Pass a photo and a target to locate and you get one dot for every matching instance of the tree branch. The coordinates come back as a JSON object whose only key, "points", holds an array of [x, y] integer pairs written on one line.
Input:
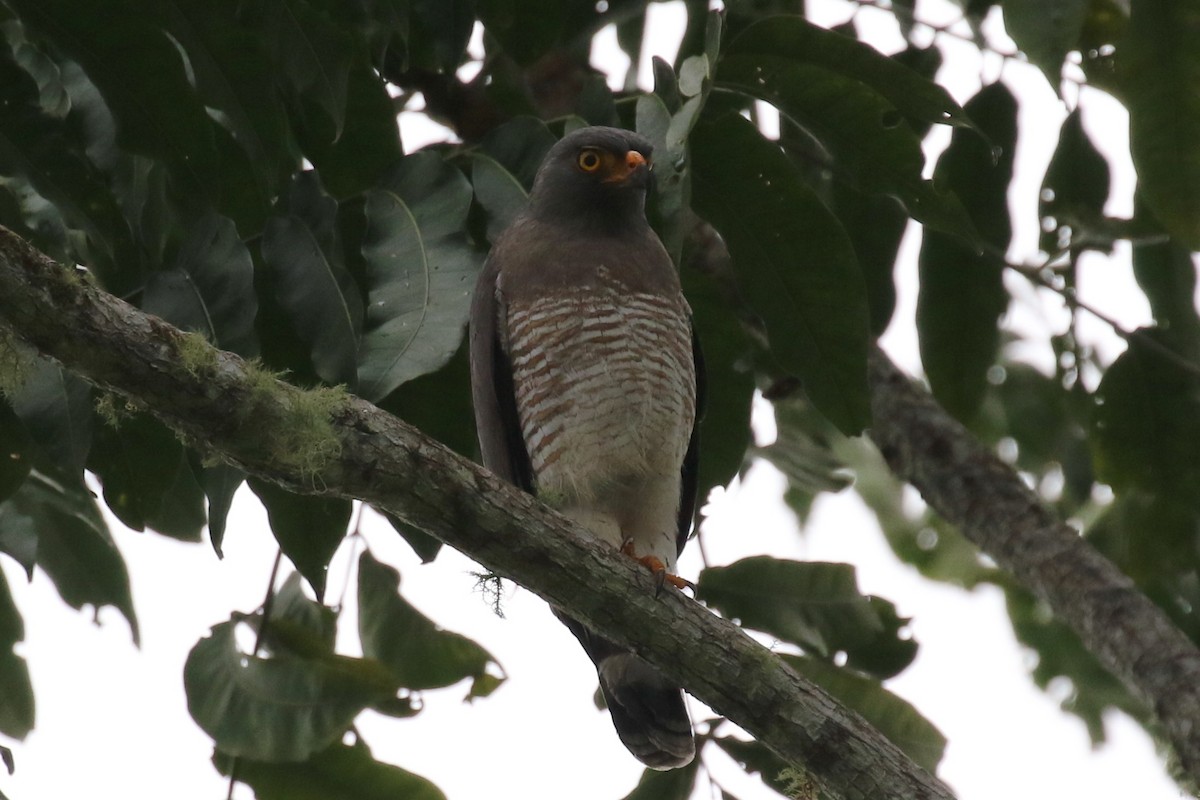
{"points": [[228, 407], [985, 499]]}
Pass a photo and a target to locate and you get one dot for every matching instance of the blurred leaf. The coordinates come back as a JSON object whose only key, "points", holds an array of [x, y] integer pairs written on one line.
{"points": [[525, 28], [439, 404], [1045, 31], [18, 536], [220, 483], [15, 447], [425, 546], [1166, 273], [793, 263], [1148, 536], [147, 477], [962, 295], [209, 288], [892, 716], [1146, 423], [801, 451], [74, 547], [755, 758], [292, 612], [276, 709], [308, 528], [814, 605], [440, 31], [16, 700], [44, 151], [303, 250], [519, 145], [1075, 188], [675, 784], [498, 191], [1160, 78], [55, 407], [339, 772], [421, 271], [419, 653]]}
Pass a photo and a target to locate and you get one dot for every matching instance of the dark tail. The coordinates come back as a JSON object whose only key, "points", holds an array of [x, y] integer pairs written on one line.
{"points": [[647, 710]]}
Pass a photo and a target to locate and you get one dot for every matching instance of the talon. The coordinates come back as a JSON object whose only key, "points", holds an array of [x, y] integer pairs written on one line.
{"points": [[652, 563]]}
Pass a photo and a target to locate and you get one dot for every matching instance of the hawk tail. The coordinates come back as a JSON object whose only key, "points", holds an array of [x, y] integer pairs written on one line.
{"points": [[647, 709]]}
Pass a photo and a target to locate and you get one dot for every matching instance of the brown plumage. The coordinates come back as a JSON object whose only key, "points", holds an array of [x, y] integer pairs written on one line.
{"points": [[585, 382]]}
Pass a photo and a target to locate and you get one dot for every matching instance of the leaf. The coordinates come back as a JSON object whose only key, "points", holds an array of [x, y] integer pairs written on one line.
{"points": [[892, 716], [1160, 78], [503, 169], [55, 407], [16, 701], [440, 32], [147, 478], [792, 261], [420, 273], [526, 29], [276, 709], [209, 287], [308, 528], [1046, 31], [1165, 272], [801, 451], [675, 784], [1146, 422], [419, 653], [220, 483], [962, 294], [498, 191], [302, 249], [74, 547], [18, 536], [339, 772], [1075, 188], [754, 757], [293, 613], [15, 451], [439, 404], [814, 605]]}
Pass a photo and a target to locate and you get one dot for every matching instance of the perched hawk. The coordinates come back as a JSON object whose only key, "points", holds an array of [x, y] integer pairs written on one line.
{"points": [[585, 379]]}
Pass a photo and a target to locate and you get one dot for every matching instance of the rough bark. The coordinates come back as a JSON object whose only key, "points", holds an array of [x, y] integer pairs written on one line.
{"points": [[984, 498], [224, 406]]}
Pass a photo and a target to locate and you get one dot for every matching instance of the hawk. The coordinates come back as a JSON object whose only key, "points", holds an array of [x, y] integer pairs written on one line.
{"points": [[586, 381]]}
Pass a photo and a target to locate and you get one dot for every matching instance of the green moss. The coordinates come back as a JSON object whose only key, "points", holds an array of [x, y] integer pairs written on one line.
{"points": [[16, 362], [196, 355], [798, 785]]}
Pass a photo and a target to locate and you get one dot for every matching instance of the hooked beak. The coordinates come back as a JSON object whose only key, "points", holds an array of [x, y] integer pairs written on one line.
{"points": [[634, 161]]}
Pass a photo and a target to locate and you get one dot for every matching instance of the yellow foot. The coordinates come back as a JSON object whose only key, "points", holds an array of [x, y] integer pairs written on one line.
{"points": [[656, 566]]}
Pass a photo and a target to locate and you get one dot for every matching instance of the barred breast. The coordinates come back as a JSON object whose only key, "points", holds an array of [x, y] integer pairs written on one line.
{"points": [[606, 393]]}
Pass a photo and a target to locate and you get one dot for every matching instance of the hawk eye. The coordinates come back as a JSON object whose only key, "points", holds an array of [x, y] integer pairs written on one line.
{"points": [[589, 160]]}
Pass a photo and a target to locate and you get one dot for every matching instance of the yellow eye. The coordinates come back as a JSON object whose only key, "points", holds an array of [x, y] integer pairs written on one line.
{"points": [[589, 160]]}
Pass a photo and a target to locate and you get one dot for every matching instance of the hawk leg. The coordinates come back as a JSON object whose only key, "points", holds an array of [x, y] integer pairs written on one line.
{"points": [[656, 566]]}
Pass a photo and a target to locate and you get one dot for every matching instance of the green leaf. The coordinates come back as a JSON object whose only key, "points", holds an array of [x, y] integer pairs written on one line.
{"points": [[526, 29], [147, 478], [276, 709], [15, 448], [792, 261], [1160, 79], [308, 528], [1149, 536], [55, 407], [675, 784], [1045, 31], [503, 169], [440, 31], [209, 288], [419, 653], [18, 536], [498, 191], [1166, 273], [74, 547], [439, 404], [814, 605], [892, 716], [756, 758], [801, 451], [962, 294], [421, 272], [302, 248], [339, 772], [1146, 423], [220, 482], [16, 701], [1075, 188], [294, 616]]}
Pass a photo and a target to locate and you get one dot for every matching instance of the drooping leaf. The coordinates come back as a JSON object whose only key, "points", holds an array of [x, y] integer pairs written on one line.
{"points": [[801, 451], [439, 404], [302, 247], [1045, 31], [301, 625], [755, 758], [1166, 273], [18, 536], [339, 772], [15, 451], [524, 28], [1075, 188], [74, 547], [421, 272], [1149, 536], [498, 191], [439, 33], [419, 653], [675, 784], [209, 288], [792, 261], [519, 146], [16, 700], [55, 407], [147, 477], [814, 605], [962, 295], [276, 709], [220, 482], [892, 716], [308, 528], [1159, 75]]}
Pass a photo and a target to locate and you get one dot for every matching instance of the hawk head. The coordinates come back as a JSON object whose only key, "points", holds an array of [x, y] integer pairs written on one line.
{"points": [[594, 175]]}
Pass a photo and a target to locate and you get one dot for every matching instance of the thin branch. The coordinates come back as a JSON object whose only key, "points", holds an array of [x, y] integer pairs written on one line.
{"points": [[221, 404]]}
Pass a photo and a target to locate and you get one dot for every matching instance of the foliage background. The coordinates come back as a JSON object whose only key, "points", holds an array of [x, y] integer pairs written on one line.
{"points": [[346, 171]]}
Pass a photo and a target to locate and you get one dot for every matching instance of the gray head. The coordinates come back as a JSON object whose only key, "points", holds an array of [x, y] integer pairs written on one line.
{"points": [[594, 177]]}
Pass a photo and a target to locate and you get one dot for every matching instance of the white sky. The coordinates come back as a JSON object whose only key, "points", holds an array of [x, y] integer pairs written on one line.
{"points": [[112, 720]]}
